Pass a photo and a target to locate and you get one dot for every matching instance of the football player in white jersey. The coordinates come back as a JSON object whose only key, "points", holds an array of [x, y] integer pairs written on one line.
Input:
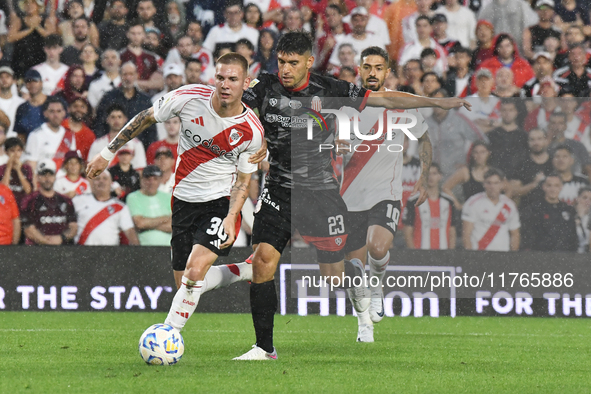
{"points": [[372, 185], [221, 141]]}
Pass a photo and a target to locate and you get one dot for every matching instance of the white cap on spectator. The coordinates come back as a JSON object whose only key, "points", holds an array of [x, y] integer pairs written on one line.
{"points": [[484, 72], [543, 54], [359, 11], [173, 69], [549, 3], [46, 165]]}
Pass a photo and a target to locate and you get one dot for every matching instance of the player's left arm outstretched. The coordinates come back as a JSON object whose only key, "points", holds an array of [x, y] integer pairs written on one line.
{"points": [[403, 100], [426, 156], [132, 129], [238, 197]]}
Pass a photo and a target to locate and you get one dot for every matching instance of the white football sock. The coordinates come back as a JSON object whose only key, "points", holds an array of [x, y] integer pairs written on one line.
{"points": [[377, 268], [364, 318], [224, 275], [184, 303]]}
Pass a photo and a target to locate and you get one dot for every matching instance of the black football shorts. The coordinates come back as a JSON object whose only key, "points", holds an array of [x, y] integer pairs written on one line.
{"points": [[384, 214]]}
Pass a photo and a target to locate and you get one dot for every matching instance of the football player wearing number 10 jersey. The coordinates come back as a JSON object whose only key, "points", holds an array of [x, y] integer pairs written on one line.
{"points": [[221, 143]]}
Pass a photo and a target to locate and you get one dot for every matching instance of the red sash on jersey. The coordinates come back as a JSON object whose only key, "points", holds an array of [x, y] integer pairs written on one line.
{"points": [[494, 228], [65, 147], [97, 219], [580, 131]]}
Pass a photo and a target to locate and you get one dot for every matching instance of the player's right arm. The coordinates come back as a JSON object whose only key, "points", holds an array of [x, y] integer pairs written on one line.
{"points": [[132, 129], [403, 100]]}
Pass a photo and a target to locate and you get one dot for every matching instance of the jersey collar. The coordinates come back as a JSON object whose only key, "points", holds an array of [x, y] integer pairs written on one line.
{"points": [[304, 86]]}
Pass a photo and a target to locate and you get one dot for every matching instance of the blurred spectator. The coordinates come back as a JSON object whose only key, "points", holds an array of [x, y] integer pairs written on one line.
{"points": [[10, 224], [439, 23], [271, 11], [153, 42], [470, 177], [79, 110], [29, 115], [490, 220], [571, 12], [556, 129], [101, 217], [3, 155], [508, 142], [333, 30], [577, 121], [411, 172], [72, 184], [16, 175], [409, 30], [115, 120], [183, 51], [293, 20], [360, 36], [431, 83], [74, 11], [485, 106], [534, 36], [392, 80], [9, 102], [511, 17], [232, 30], [572, 36], [563, 164], [536, 166], [504, 84], [113, 32], [375, 23], [149, 76], [48, 218], [539, 116], [246, 49], [462, 22], [173, 79], [543, 68], [71, 54], [208, 13], [432, 225], [132, 100], [550, 224], [413, 50], [485, 33], [266, 55], [552, 46], [450, 132], [507, 55], [204, 55], [346, 58], [165, 161], [583, 209], [393, 16], [150, 210], [458, 78], [51, 70], [109, 79], [125, 178], [148, 17], [88, 60], [253, 17], [51, 140], [429, 62], [27, 34], [177, 20], [576, 75], [74, 85], [193, 72]]}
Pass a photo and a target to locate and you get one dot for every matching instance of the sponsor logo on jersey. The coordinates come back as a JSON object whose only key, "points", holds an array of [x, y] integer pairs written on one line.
{"points": [[273, 102], [43, 208], [295, 104], [198, 121], [52, 219], [235, 136], [253, 83]]}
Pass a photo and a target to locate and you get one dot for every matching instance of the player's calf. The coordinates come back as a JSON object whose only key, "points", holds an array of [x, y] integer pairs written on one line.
{"points": [[220, 276]]}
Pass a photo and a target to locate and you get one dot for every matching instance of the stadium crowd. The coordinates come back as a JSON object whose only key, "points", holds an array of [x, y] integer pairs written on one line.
{"points": [[73, 72]]}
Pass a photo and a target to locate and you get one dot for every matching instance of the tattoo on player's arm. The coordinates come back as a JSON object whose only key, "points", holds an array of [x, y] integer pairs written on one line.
{"points": [[239, 194], [425, 155], [133, 128]]}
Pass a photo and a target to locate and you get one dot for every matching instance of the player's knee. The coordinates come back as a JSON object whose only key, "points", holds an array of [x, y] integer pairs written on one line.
{"points": [[379, 250]]}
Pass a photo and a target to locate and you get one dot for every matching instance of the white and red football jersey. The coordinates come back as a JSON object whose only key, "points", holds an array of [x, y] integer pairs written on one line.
{"points": [[44, 143], [99, 222], [373, 169], [139, 153], [211, 147], [51, 76], [492, 223], [64, 185], [431, 221]]}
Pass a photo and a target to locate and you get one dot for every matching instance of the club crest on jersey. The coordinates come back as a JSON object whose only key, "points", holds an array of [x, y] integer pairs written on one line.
{"points": [[235, 136], [2, 201], [565, 215], [111, 209], [316, 104], [273, 102], [295, 104], [338, 241], [63, 207]]}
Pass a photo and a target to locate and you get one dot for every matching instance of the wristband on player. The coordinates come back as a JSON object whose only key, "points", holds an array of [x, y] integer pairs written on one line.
{"points": [[107, 154]]}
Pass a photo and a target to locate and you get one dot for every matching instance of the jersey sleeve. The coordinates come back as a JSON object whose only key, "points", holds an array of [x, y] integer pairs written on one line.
{"points": [[348, 94], [71, 212], [257, 140], [32, 148], [420, 127], [171, 104], [513, 222], [11, 202], [125, 220], [254, 95], [468, 212], [26, 212]]}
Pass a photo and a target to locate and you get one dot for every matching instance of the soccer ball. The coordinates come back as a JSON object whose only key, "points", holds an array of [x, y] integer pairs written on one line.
{"points": [[161, 344]]}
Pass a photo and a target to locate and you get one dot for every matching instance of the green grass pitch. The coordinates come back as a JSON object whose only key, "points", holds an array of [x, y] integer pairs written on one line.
{"points": [[78, 352]]}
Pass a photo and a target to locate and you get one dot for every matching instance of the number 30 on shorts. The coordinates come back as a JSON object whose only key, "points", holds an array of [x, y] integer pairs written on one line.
{"points": [[217, 228], [336, 225]]}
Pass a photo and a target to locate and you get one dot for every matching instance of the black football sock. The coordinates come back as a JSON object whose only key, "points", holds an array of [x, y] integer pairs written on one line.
{"points": [[263, 304]]}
